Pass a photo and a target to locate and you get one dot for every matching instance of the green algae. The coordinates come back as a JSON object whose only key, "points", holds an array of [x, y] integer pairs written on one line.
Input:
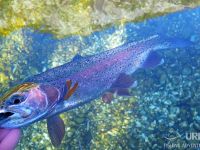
{"points": [[69, 17], [16, 60], [8, 57], [112, 122]]}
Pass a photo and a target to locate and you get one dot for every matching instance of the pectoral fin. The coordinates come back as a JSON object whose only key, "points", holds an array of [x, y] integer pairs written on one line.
{"points": [[56, 130], [70, 90], [68, 83]]}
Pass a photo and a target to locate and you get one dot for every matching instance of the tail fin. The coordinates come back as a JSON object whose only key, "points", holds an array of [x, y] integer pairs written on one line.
{"points": [[145, 49], [162, 42]]}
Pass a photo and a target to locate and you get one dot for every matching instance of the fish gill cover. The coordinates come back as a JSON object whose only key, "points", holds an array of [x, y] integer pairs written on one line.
{"points": [[166, 99]]}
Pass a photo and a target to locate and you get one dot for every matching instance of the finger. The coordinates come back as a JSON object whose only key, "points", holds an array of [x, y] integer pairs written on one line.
{"points": [[10, 141]]}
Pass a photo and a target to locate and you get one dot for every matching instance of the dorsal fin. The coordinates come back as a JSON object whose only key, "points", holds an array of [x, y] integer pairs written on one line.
{"points": [[77, 57], [56, 130]]}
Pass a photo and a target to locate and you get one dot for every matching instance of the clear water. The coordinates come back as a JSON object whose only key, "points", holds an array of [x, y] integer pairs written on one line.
{"points": [[164, 108]]}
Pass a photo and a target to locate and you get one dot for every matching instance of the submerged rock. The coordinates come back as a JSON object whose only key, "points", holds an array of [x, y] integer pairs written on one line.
{"points": [[187, 71], [62, 17]]}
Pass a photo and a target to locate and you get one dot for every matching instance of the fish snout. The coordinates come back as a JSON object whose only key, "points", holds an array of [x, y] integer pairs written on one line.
{"points": [[14, 111], [4, 114]]}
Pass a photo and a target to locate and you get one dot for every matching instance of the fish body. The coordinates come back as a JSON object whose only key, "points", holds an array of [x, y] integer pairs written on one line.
{"points": [[80, 81], [96, 74]]}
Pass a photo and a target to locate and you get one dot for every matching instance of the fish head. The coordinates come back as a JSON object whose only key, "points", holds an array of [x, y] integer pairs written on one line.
{"points": [[26, 103]]}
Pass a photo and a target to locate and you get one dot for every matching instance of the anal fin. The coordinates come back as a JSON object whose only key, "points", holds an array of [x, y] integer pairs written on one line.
{"points": [[153, 60], [56, 130]]}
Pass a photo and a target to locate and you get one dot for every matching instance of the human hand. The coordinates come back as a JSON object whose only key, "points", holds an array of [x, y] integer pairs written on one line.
{"points": [[9, 138]]}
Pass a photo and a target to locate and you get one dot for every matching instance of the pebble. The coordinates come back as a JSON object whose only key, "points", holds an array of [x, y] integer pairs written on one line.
{"points": [[187, 71], [152, 107]]}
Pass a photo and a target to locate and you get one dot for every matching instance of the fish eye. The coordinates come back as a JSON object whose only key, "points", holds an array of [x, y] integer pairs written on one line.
{"points": [[15, 99]]}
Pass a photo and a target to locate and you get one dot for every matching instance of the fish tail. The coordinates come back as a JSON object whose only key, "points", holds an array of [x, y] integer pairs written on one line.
{"points": [[148, 57], [163, 42]]}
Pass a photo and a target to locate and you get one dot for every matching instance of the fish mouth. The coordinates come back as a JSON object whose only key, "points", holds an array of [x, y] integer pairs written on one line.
{"points": [[5, 115]]}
